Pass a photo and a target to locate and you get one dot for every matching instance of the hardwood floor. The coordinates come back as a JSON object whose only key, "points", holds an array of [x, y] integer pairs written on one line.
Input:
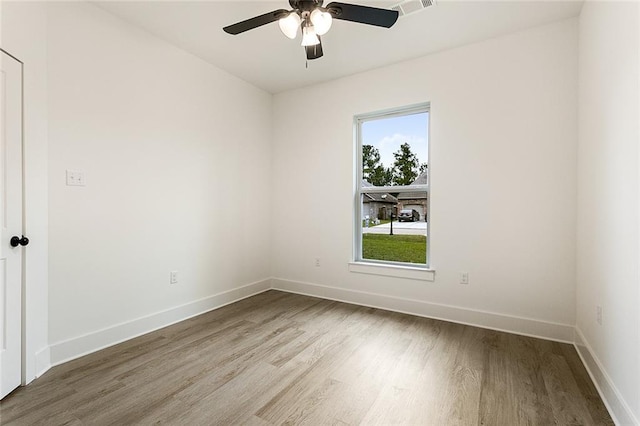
{"points": [[279, 358]]}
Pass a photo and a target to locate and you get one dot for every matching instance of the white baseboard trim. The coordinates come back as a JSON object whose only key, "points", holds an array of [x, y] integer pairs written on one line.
{"points": [[76, 347], [43, 361], [615, 403], [491, 320]]}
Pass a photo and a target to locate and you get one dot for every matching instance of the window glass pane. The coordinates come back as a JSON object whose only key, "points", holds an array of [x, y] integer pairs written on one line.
{"points": [[394, 150], [394, 226]]}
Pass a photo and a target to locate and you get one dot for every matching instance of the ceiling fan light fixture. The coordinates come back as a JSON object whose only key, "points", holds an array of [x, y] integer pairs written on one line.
{"points": [[321, 21], [289, 25], [309, 36], [315, 20]]}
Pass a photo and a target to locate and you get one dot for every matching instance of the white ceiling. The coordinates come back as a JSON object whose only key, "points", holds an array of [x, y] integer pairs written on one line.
{"points": [[267, 59]]}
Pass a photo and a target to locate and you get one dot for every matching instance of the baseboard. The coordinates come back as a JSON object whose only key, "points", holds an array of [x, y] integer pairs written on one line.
{"points": [[615, 403], [76, 347], [43, 361], [491, 320]]}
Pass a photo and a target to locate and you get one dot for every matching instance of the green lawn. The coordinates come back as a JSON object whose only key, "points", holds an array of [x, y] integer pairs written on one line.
{"points": [[397, 248]]}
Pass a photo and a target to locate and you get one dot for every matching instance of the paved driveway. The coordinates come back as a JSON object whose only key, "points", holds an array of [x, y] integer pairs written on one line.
{"points": [[400, 228]]}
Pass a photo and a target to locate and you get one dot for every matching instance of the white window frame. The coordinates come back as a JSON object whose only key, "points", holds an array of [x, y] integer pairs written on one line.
{"points": [[384, 267]]}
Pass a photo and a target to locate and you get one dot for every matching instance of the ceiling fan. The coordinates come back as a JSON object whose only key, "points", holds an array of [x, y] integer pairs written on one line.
{"points": [[315, 20]]}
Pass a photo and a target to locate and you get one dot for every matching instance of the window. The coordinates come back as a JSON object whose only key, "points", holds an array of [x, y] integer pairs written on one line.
{"points": [[392, 187]]}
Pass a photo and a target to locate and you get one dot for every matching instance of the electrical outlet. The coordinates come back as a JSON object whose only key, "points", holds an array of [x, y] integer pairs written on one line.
{"points": [[464, 278], [173, 277], [599, 315], [317, 262]]}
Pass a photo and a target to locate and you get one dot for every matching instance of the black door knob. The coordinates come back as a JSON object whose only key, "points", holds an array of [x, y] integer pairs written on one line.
{"points": [[15, 241]]}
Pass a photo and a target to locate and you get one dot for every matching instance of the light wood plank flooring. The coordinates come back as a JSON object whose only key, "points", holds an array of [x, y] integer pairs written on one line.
{"points": [[279, 358]]}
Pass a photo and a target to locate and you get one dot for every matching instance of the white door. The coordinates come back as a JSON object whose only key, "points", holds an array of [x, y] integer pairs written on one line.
{"points": [[10, 223]]}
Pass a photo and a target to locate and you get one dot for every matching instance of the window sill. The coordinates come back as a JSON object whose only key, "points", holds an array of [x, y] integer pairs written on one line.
{"points": [[397, 271]]}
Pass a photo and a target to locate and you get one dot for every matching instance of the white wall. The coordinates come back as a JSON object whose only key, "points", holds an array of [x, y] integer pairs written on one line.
{"points": [[608, 214], [503, 167], [177, 160], [23, 34]]}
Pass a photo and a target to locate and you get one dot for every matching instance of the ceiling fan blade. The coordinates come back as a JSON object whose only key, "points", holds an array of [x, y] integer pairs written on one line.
{"points": [[314, 52], [363, 14], [255, 22]]}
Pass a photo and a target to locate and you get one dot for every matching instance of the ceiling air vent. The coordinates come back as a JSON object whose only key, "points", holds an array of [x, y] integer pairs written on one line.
{"points": [[412, 6]]}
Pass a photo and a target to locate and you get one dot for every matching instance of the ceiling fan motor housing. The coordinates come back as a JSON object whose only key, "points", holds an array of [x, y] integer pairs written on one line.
{"points": [[305, 5]]}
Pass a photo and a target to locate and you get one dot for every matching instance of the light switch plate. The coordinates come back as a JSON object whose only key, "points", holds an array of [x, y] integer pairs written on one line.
{"points": [[75, 178]]}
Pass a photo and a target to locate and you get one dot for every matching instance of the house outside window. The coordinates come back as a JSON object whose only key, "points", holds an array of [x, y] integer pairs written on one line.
{"points": [[392, 191]]}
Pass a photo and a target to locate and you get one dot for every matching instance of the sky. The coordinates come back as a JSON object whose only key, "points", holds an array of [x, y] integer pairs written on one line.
{"points": [[388, 134]]}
